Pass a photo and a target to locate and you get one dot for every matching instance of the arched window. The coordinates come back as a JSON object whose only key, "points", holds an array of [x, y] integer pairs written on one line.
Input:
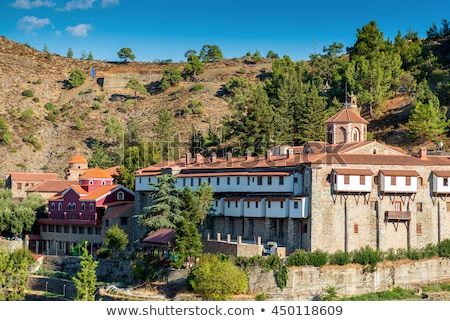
{"points": [[91, 182], [91, 206], [355, 135], [120, 196], [53, 206], [59, 206], [83, 207], [374, 151], [103, 183]]}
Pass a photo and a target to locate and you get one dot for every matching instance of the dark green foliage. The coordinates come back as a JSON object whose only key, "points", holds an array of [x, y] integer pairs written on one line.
{"points": [[126, 54], [103, 253], [165, 210], [340, 258], [196, 87], [317, 258], [298, 258], [170, 78], [210, 53], [76, 79], [28, 93], [443, 248], [193, 68], [367, 257], [217, 279], [116, 239], [330, 294], [13, 274]]}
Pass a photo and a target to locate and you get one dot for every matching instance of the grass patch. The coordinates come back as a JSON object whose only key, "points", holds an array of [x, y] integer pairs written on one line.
{"points": [[395, 294]]}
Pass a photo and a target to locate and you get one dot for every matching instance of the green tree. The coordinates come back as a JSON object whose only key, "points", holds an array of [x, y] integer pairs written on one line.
{"points": [[217, 279], [210, 53], [18, 216], [427, 120], [311, 126], [136, 85], [90, 56], [86, 279], [13, 274], [193, 67], [190, 52], [69, 53], [272, 55], [76, 78], [114, 129], [125, 54], [164, 131], [116, 239], [171, 76], [195, 207], [165, 209], [99, 156]]}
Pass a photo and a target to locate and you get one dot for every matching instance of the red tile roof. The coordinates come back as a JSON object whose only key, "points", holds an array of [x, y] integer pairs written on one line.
{"points": [[95, 173], [161, 236], [119, 210], [78, 159], [346, 115], [353, 171], [51, 186], [32, 176], [399, 172]]}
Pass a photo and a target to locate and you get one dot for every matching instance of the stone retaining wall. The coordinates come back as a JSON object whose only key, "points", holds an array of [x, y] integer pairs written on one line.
{"points": [[308, 282]]}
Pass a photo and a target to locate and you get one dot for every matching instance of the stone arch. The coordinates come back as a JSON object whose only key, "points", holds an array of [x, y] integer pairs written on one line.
{"points": [[341, 135]]}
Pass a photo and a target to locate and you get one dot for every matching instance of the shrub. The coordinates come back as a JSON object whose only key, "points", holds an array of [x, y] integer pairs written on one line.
{"points": [[27, 114], [33, 141], [76, 79], [49, 106], [216, 279], [28, 93], [443, 248], [103, 253], [367, 257], [430, 251], [96, 105], [317, 258], [340, 258], [197, 87], [298, 258]]}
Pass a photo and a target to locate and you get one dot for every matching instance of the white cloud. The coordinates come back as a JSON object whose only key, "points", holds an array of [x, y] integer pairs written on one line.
{"points": [[78, 4], [80, 30], [30, 23], [109, 3], [29, 4]]}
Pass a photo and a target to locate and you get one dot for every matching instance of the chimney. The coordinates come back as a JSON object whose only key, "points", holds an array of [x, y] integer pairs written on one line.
{"points": [[188, 158], [228, 156], [423, 153], [248, 155], [290, 153], [213, 157], [268, 154]]}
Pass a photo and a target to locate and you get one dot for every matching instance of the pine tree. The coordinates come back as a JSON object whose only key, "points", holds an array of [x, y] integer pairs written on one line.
{"points": [[86, 279], [165, 209]]}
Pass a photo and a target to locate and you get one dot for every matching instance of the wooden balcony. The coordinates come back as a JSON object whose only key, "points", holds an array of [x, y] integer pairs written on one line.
{"points": [[398, 216]]}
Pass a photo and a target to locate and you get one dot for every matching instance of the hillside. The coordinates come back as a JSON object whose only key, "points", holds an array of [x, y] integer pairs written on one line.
{"points": [[23, 68]]}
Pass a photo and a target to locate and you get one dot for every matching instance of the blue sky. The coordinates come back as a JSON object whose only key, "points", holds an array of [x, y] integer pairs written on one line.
{"points": [[159, 30]]}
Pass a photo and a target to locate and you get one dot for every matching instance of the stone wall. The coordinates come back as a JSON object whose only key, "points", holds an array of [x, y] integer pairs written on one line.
{"points": [[308, 282], [107, 270]]}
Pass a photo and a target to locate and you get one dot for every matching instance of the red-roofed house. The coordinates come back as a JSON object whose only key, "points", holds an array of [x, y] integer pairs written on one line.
{"points": [[20, 183], [84, 212], [342, 193]]}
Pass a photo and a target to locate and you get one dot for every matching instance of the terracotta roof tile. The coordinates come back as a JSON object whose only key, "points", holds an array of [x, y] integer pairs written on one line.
{"points": [[95, 173], [78, 159], [442, 173], [161, 236], [32, 176], [399, 172], [119, 210], [51, 186], [346, 115]]}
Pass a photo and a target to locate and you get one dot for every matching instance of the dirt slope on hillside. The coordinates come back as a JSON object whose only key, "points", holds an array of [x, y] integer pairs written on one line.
{"points": [[57, 139]]}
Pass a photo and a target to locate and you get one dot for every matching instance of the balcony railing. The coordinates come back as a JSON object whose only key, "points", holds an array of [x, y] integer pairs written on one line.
{"points": [[73, 216], [398, 215]]}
